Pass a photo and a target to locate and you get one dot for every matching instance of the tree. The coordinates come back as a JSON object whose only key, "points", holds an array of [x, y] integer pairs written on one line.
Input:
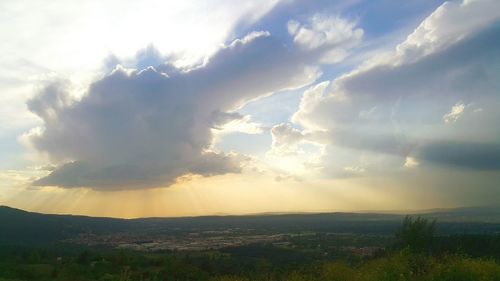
{"points": [[416, 234]]}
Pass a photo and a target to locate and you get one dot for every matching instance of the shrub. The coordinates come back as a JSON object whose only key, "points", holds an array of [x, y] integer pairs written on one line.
{"points": [[415, 234]]}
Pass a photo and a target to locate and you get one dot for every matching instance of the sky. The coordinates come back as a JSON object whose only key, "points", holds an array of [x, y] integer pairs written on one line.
{"points": [[186, 108]]}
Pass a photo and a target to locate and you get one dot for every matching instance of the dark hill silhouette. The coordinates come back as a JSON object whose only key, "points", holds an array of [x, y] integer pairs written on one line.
{"points": [[20, 226]]}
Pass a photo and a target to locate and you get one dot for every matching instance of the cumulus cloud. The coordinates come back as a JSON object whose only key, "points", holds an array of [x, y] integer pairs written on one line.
{"points": [[446, 26], [146, 128], [390, 110], [331, 36], [456, 111], [286, 139]]}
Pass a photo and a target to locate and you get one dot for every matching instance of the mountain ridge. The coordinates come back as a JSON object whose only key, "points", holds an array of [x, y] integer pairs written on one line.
{"points": [[423, 212], [20, 226]]}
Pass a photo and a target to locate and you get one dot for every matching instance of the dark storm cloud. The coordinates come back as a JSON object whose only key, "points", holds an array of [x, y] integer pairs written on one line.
{"points": [[146, 128], [474, 156], [462, 154]]}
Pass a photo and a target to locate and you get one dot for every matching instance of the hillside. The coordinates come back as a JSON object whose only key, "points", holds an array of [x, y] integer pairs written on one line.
{"points": [[27, 227]]}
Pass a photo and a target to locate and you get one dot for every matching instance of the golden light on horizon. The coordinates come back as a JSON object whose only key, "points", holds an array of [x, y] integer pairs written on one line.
{"points": [[221, 195]]}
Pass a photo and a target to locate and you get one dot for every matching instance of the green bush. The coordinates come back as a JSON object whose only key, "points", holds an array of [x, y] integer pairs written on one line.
{"points": [[416, 234]]}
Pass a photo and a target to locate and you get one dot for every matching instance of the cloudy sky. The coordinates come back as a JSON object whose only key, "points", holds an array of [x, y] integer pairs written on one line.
{"points": [[174, 108]]}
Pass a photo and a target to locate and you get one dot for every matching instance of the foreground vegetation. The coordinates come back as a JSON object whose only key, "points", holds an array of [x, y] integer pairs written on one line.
{"points": [[398, 266], [413, 254], [401, 265]]}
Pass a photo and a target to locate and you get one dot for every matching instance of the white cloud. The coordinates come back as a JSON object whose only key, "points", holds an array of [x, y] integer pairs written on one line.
{"points": [[456, 111], [286, 140], [238, 123], [308, 105], [410, 162], [392, 107], [332, 36], [447, 25]]}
